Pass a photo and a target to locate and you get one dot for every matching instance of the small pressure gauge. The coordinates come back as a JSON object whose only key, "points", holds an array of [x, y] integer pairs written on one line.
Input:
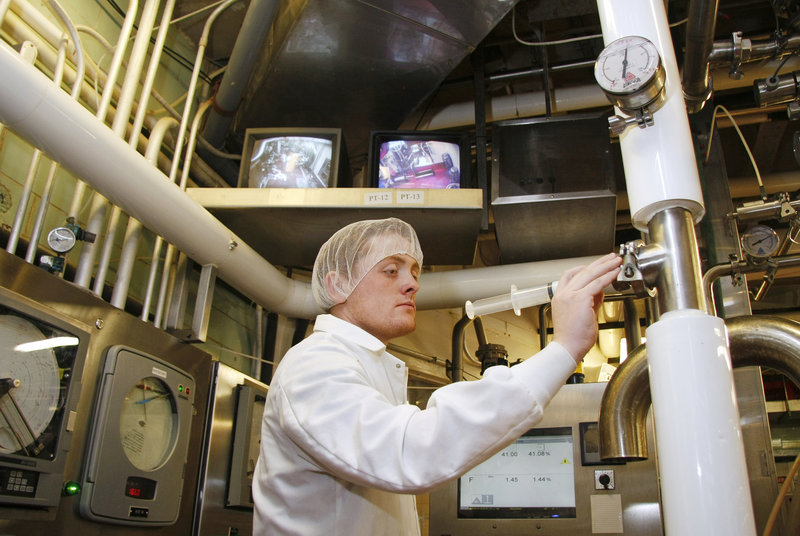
{"points": [[630, 72], [61, 239], [760, 241]]}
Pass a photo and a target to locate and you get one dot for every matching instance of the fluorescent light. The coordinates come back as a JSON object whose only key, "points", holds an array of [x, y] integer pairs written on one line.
{"points": [[55, 342]]}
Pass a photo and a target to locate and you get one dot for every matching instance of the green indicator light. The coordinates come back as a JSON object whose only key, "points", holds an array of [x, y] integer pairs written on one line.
{"points": [[71, 488], [180, 388]]}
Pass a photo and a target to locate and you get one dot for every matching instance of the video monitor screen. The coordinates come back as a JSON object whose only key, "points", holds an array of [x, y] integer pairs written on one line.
{"points": [[290, 162], [419, 164], [534, 477]]}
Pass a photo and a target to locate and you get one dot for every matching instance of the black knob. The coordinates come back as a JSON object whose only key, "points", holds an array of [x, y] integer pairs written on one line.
{"points": [[604, 480]]}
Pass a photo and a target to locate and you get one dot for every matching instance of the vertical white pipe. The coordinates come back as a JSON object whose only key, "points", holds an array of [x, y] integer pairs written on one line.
{"points": [[24, 202], [3, 8], [659, 161], [97, 212], [24, 199], [703, 476], [130, 85], [130, 244], [704, 484]]}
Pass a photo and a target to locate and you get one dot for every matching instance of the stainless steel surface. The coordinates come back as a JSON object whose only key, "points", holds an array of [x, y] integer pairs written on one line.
{"points": [[287, 226], [721, 237], [212, 516], [636, 483], [633, 329], [700, 25], [766, 341], [757, 443], [776, 90], [109, 326], [678, 283], [624, 408], [547, 203], [328, 56], [735, 268]]}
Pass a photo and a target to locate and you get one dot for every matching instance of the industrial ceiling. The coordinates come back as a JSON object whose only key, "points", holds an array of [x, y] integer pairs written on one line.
{"points": [[364, 65]]}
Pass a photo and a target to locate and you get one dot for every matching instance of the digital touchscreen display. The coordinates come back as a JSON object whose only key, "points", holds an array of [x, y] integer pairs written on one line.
{"points": [[534, 477]]}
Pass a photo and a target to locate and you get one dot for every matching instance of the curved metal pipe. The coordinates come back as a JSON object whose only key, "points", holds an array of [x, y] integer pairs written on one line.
{"points": [[754, 341], [457, 341]]}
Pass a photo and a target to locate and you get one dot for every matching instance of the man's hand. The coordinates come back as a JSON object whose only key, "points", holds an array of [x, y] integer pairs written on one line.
{"points": [[578, 296]]}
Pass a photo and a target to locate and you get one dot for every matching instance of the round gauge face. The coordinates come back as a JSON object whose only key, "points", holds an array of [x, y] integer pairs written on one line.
{"points": [[61, 239], [148, 424], [28, 406], [760, 241], [627, 65]]}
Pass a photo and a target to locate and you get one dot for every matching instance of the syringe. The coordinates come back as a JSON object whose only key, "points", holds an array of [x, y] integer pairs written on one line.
{"points": [[516, 300]]}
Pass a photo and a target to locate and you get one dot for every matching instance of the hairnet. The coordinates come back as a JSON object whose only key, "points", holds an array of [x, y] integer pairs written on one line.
{"points": [[354, 250]]}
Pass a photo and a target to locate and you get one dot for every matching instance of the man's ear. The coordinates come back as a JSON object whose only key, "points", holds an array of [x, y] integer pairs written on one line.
{"points": [[332, 284]]}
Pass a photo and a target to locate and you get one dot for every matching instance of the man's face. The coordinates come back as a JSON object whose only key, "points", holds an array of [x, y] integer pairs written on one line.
{"points": [[382, 303]]}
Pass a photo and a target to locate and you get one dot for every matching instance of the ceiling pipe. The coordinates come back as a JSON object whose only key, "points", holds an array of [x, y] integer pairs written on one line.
{"points": [[700, 25], [569, 99], [249, 44]]}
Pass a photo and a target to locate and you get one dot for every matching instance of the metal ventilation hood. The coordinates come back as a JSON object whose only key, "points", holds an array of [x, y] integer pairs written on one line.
{"points": [[360, 65]]}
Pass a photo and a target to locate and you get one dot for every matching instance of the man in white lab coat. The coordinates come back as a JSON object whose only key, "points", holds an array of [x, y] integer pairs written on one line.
{"points": [[342, 452]]}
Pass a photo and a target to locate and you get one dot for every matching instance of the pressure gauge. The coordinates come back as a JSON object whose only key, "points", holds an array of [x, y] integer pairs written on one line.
{"points": [[630, 72], [760, 241], [148, 423], [61, 239]]}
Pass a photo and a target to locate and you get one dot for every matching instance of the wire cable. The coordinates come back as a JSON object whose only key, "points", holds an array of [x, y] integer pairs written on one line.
{"points": [[717, 108]]}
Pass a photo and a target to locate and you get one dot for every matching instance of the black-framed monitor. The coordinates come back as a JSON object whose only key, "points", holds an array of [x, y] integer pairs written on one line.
{"points": [[419, 159], [534, 477], [281, 157]]}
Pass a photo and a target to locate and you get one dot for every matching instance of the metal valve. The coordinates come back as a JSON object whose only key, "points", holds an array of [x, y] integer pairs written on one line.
{"points": [[639, 264], [618, 124]]}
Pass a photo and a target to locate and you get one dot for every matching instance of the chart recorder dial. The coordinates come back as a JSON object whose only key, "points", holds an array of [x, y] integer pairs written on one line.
{"points": [[29, 389]]}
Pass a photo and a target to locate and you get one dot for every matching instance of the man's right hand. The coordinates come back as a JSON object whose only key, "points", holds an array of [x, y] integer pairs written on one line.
{"points": [[578, 297]]}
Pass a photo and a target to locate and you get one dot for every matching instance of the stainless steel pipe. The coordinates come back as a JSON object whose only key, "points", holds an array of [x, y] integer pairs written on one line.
{"points": [[754, 341], [679, 281]]}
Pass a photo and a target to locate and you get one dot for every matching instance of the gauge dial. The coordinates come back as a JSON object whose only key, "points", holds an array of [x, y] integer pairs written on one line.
{"points": [[148, 424], [630, 72], [61, 239], [760, 241], [31, 398]]}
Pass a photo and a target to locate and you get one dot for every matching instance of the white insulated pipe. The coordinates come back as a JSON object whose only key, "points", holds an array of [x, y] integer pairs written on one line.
{"points": [[705, 489], [659, 161], [564, 99], [451, 289], [51, 120], [703, 476]]}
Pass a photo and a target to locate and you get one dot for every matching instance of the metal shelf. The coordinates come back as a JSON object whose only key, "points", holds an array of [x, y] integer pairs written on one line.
{"points": [[288, 225]]}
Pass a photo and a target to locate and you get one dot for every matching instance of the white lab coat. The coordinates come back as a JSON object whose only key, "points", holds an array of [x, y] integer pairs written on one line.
{"points": [[342, 452]]}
